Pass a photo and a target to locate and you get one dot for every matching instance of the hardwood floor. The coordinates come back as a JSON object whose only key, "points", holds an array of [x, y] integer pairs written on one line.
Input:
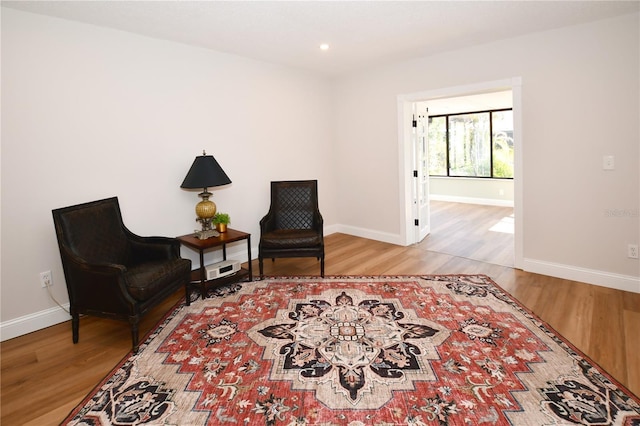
{"points": [[472, 231], [44, 375]]}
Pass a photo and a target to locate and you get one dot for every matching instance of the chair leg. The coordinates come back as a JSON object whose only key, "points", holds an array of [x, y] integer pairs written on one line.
{"points": [[322, 266], [261, 267], [134, 333], [75, 326]]}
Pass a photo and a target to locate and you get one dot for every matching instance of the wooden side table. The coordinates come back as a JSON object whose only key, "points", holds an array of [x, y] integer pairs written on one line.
{"points": [[198, 276]]}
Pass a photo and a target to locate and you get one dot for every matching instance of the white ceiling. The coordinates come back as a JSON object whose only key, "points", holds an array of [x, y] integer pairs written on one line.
{"points": [[361, 33]]}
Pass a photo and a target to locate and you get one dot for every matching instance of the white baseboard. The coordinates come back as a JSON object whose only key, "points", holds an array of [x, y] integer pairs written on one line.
{"points": [[472, 200], [52, 316], [569, 272], [34, 322], [385, 237], [589, 276]]}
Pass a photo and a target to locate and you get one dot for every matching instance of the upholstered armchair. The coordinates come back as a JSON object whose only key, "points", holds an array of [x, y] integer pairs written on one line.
{"points": [[293, 227], [111, 272]]}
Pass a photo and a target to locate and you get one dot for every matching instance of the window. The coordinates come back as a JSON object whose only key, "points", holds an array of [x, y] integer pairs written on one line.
{"points": [[477, 144]]}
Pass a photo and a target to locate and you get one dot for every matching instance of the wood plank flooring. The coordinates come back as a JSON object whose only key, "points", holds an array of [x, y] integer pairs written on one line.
{"points": [[472, 231], [44, 376]]}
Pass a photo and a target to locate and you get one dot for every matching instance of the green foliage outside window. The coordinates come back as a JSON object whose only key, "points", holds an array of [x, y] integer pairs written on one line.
{"points": [[438, 146], [469, 144]]}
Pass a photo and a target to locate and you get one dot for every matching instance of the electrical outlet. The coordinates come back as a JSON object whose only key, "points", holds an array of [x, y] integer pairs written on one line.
{"points": [[632, 251], [46, 279]]}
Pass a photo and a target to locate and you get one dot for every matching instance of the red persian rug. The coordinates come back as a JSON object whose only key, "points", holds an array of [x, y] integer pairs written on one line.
{"points": [[427, 350]]}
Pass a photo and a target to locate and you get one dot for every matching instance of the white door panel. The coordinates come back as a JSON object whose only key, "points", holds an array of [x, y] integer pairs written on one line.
{"points": [[420, 142]]}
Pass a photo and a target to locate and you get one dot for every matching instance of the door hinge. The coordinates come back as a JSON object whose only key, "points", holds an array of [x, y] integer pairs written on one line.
{"points": [[416, 222], [414, 122], [415, 173]]}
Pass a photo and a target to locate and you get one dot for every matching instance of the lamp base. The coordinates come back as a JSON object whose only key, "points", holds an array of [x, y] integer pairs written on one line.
{"points": [[205, 234], [205, 210]]}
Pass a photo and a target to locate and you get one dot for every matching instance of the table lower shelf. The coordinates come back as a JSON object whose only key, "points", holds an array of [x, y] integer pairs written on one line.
{"points": [[242, 275]]}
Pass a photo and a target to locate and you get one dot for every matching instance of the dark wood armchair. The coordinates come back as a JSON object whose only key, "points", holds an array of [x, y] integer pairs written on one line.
{"points": [[111, 272], [293, 227]]}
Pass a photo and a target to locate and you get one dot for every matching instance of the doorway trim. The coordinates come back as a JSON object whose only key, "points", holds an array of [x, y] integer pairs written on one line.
{"points": [[405, 167]]}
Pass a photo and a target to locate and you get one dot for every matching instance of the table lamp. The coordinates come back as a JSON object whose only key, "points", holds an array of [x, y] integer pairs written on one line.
{"points": [[205, 172]]}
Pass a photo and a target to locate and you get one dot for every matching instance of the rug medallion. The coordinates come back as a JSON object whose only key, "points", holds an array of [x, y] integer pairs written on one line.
{"points": [[428, 350]]}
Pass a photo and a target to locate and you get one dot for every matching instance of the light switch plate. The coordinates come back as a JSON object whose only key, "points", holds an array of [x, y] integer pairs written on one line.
{"points": [[608, 162]]}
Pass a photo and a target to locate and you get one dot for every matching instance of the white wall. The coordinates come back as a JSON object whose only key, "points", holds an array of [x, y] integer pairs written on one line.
{"points": [[493, 192], [89, 113], [580, 101]]}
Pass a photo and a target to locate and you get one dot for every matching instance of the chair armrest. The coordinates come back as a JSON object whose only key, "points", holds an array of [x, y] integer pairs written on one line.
{"points": [[107, 280], [267, 223], [70, 259], [146, 249]]}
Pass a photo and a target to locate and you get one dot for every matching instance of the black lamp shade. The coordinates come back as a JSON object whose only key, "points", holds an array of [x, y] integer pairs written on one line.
{"points": [[205, 172]]}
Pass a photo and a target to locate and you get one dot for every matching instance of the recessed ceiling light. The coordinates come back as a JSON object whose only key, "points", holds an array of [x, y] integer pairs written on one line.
{"points": [[324, 46]]}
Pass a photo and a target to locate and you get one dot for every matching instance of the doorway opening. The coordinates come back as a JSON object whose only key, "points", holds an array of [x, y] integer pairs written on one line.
{"points": [[455, 98]]}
